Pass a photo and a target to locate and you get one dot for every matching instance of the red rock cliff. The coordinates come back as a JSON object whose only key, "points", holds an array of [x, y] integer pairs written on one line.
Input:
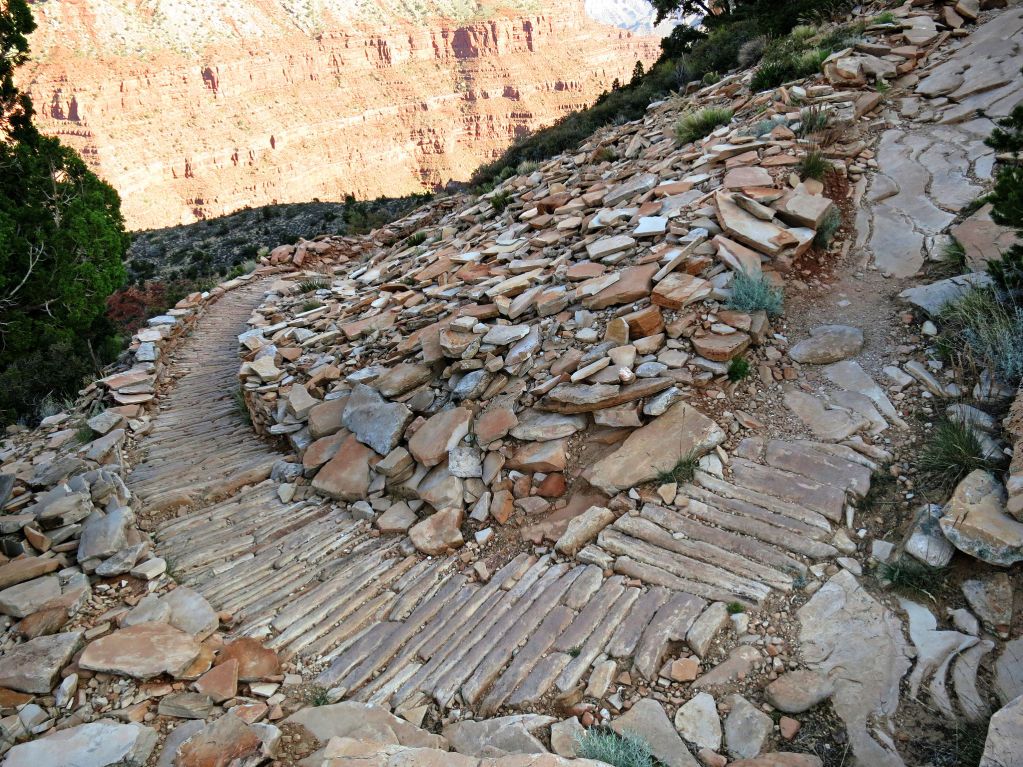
{"points": [[195, 110]]}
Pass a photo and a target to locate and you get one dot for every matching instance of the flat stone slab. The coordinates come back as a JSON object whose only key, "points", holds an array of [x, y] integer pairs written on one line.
{"points": [[34, 666], [828, 343], [682, 431], [933, 297], [856, 642], [96, 744], [142, 651]]}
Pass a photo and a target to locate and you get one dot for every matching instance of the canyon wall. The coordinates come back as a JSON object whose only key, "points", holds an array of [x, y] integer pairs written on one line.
{"points": [[195, 109]]}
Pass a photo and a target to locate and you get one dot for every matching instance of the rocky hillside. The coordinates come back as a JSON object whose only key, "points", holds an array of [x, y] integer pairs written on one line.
{"points": [[193, 112]]}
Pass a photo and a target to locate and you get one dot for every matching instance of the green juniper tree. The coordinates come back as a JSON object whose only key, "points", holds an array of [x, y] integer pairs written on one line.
{"points": [[1007, 201], [62, 243]]}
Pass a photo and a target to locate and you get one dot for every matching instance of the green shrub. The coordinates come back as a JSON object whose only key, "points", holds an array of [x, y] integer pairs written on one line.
{"points": [[1007, 202], [952, 451], [683, 471], [500, 201], [884, 18], [240, 406], [711, 78], [751, 51], [814, 165], [813, 120], [698, 125], [312, 285], [827, 229], [952, 262], [738, 369], [734, 608], [605, 154], [628, 750], [415, 239], [979, 329], [753, 292], [527, 167]]}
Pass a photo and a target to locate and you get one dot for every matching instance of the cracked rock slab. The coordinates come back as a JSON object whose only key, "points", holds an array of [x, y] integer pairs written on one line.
{"points": [[858, 644]]}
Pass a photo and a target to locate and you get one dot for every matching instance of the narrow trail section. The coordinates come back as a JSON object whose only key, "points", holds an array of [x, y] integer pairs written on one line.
{"points": [[384, 624], [200, 447]]}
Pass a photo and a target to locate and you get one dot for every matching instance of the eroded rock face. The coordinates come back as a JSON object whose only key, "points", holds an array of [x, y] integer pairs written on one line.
{"points": [[857, 642], [523, 70]]}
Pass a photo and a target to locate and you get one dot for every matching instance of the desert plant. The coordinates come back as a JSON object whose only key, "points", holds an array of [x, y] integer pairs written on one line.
{"points": [[827, 229], [415, 239], [884, 18], [812, 120], [527, 167], [628, 750], [605, 154], [500, 201], [751, 51], [952, 452], [697, 125], [711, 78], [734, 608], [312, 285], [952, 262], [814, 165], [683, 471], [83, 433], [908, 574], [738, 369], [978, 328], [754, 292], [309, 306]]}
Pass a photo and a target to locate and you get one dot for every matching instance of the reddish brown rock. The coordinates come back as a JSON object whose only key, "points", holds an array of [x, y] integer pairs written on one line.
{"points": [[255, 662], [440, 433], [541, 456], [48, 620], [634, 283], [721, 348], [439, 533], [220, 682], [494, 424], [346, 475], [227, 741], [25, 569], [142, 651]]}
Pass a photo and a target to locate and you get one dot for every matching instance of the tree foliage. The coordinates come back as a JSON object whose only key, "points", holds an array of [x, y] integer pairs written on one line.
{"points": [[1007, 201], [62, 242]]}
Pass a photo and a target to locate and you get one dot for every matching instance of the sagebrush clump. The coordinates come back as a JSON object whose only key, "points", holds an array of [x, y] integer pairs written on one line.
{"points": [[753, 293], [697, 125], [627, 750]]}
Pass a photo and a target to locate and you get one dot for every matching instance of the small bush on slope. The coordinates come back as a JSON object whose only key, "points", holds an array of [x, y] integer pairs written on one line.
{"points": [[981, 331], [697, 125], [752, 293]]}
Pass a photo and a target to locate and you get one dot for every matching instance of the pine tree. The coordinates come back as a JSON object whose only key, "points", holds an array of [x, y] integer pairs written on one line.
{"points": [[62, 243], [637, 73], [1007, 201]]}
